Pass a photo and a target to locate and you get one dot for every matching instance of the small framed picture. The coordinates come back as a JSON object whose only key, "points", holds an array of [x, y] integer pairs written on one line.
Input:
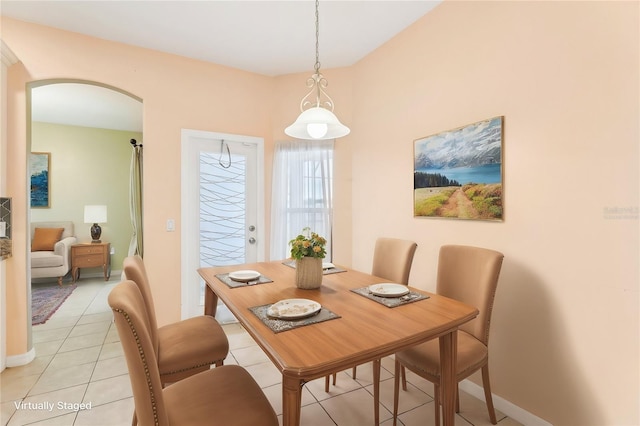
{"points": [[40, 166]]}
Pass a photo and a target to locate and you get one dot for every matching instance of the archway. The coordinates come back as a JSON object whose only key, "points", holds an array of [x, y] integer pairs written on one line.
{"points": [[85, 127]]}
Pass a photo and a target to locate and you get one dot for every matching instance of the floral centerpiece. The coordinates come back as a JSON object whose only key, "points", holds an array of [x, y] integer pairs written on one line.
{"points": [[308, 249], [308, 244]]}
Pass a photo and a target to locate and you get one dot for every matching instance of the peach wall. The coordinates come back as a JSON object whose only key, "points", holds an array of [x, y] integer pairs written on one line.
{"points": [[176, 92], [18, 340], [565, 77]]}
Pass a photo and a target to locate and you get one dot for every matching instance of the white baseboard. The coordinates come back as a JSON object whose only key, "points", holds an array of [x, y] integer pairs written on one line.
{"points": [[511, 410], [22, 359]]}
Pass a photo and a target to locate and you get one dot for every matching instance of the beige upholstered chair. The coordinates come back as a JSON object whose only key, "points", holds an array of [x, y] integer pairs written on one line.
{"points": [[51, 249], [392, 259], [185, 347], [224, 396], [470, 275]]}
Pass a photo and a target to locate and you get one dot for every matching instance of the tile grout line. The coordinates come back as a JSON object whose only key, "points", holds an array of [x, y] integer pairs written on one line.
{"points": [[58, 352]]}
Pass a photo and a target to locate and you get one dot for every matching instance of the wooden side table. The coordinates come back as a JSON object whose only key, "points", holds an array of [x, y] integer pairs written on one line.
{"points": [[90, 255]]}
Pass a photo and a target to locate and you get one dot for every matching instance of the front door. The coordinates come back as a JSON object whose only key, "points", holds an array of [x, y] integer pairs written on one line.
{"points": [[222, 209]]}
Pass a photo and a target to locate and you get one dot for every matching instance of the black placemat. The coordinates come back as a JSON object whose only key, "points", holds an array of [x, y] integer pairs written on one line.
{"points": [[278, 325], [335, 270], [390, 302], [233, 284]]}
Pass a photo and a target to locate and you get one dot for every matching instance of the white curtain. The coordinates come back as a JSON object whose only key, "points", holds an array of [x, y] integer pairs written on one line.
{"points": [[302, 193], [135, 200]]}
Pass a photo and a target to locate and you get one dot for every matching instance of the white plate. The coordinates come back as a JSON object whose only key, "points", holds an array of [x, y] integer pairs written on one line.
{"points": [[293, 308], [328, 265], [244, 275], [389, 289]]}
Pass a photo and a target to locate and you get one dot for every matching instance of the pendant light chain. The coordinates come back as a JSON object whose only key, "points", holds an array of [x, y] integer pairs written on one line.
{"points": [[317, 66], [317, 120]]}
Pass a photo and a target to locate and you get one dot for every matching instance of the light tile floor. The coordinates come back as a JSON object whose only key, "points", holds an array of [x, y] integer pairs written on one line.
{"points": [[79, 361]]}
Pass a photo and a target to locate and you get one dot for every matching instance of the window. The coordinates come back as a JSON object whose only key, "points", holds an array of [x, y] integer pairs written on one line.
{"points": [[302, 193]]}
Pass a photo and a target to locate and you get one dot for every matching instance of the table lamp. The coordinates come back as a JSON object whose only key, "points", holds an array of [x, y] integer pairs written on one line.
{"points": [[95, 214]]}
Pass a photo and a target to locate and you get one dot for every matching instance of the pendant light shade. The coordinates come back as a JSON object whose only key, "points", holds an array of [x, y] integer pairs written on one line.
{"points": [[317, 123], [317, 120]]}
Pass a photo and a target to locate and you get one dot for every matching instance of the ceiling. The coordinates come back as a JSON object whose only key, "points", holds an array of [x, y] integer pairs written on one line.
{"points": [[86, 105], [266, 37]]}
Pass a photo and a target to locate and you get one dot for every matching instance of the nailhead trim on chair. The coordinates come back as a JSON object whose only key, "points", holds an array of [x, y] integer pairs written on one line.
{"points": [[191, 368], [146, 365], [486, 333]]}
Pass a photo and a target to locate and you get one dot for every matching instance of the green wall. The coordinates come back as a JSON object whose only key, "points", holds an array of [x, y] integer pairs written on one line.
{"points": [[88, 166]]}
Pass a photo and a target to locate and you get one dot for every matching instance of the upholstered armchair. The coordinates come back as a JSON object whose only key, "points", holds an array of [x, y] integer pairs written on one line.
{"points": [[51, 249]]}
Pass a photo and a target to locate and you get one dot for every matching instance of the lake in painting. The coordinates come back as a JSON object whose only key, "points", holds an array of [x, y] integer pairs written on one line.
{"points": [[488, 173]]}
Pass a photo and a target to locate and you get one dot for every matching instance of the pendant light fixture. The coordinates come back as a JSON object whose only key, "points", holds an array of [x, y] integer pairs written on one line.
{"points": [[317, 120]]}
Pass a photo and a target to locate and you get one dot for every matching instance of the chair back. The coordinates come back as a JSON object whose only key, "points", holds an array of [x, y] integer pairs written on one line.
{"points": [[470, 275], [392, 259], [133, 326], [135, 271]]}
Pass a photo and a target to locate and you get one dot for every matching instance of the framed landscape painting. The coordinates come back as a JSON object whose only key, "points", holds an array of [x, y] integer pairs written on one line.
{"points": [[458, 173], [40, 183]]}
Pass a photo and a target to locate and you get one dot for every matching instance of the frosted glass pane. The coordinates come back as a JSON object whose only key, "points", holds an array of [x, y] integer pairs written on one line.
{"points": [[222, 210]]}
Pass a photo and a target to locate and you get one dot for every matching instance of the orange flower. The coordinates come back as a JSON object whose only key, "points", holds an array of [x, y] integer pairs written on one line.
{"points": [[308, 244]]}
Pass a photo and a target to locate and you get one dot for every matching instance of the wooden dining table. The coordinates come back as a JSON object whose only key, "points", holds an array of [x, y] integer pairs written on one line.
{"points": [[363, 331]]}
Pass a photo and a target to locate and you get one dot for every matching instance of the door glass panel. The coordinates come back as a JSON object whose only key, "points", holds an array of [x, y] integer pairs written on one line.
{"points": [[222, 218], [222, 210]]}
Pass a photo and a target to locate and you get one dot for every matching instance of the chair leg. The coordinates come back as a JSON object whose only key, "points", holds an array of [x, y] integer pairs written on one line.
{"points": [[487, 394], [376, 391], [457, 399], [60, 281], [396, 390], [436, 399], [353, 373], [326, 381], [403, 373], [134, 421]]}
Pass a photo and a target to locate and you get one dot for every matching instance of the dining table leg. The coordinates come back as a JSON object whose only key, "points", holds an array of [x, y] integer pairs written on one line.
{"points": [[376, 392], [291, 400], [210, 301], [448, 385]]}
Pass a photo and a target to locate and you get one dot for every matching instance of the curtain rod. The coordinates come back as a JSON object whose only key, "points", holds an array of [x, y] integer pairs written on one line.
{"points": [[134, 143]]}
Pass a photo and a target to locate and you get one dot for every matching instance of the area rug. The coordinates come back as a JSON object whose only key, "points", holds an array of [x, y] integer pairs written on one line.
{"points": [[46, 300]]}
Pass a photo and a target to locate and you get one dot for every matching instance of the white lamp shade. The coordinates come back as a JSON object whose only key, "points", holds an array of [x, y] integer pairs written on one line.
{"points": [[95, 214], [317, 123]]}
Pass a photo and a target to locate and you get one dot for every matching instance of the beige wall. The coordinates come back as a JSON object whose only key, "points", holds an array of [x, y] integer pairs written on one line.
{"points": [[88, 166], [564, 75]]}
